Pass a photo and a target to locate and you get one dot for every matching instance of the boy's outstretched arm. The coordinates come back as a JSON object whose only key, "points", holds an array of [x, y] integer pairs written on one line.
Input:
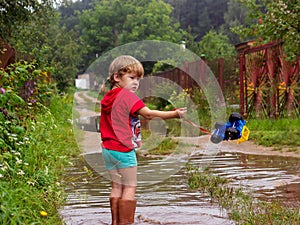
{"points": [[150, 114]]}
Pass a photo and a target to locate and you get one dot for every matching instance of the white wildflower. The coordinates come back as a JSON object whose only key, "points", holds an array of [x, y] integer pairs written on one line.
{"points": [[19, 161], [30, 183], [4, 168], [21, 173]]}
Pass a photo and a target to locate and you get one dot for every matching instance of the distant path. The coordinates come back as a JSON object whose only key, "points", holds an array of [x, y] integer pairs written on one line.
{"points": [[88, 141]]}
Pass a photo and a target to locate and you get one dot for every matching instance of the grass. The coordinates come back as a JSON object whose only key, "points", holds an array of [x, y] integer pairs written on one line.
{"points": [[31, 190], [155, 144], [280, 134], [241, 207]]}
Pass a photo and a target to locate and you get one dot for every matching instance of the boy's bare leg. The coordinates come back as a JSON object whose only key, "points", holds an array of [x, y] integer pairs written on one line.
{"points": [[129, 182], [116, 191]]}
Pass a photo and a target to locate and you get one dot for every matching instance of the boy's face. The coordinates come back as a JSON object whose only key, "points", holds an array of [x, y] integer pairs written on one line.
{"points": [[129, 81]]}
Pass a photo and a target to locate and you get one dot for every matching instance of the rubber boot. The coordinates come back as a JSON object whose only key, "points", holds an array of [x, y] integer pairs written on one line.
{"points": [[126, 211], [114, 210]]}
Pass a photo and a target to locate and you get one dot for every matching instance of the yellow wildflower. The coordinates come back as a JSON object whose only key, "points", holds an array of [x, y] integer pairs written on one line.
{"points": [[43, 213]]}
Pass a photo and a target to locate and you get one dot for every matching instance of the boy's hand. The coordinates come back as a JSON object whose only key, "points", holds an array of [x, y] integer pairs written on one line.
{"points": [[181, 112]]}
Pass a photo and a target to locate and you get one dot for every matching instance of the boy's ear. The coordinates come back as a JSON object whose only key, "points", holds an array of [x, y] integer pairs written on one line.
{"points": [[116, 77]]}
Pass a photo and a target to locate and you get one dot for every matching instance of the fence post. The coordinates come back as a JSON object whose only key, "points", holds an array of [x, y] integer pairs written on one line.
{"points": [[242, 81]]}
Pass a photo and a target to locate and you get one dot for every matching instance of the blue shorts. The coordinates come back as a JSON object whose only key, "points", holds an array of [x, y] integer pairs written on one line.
{"points": [[118, 160]]}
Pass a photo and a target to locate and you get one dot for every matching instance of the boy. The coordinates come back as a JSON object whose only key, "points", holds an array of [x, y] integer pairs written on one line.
{"points": [[120, 133]]}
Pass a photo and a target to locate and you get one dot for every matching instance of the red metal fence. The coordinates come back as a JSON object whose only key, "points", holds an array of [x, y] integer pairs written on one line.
{"points": [[269, 84], [193, 74]]}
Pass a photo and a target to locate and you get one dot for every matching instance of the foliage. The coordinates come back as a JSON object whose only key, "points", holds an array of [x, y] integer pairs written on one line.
{"points": [[113, 23], [50, 46], [235, 16], [275, 21], [194, 16], [32, 28], [179, 100], [62, 52], [35, 143], [14, 15], [203, 110], [215, 45], [28, 130], [199, 16], [68, 9], [151, 21], [31, 164], [26, 85], [163, 65]]}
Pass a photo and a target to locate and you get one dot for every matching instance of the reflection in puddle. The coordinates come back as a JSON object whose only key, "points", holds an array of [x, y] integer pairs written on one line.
{"points": [[267, 177], [171, 202]]}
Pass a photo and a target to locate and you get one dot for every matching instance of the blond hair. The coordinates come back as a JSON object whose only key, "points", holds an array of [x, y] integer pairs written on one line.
{"points": [[125, 64]]}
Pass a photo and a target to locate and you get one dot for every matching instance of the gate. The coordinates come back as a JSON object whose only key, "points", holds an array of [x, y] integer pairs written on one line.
{"points": [[269, 84]]}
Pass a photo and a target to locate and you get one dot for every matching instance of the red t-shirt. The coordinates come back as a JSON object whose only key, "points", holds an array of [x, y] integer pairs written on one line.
{"points": [[119, 122]]}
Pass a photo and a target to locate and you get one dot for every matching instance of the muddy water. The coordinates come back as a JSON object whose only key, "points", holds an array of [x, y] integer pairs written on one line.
{"points": [[265, 177], [171, 202]]}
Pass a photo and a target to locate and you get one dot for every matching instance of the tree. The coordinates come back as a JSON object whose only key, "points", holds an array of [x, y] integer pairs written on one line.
{"points": [[235, 16], [276, 20], [111, 23], [151, 21], [50, 46], [68, 9], [14, 15], [199, 16], [214, 45], [32, 28], [61, 51]]}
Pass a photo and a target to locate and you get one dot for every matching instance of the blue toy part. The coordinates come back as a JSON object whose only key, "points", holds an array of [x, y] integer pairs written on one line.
{"points": [[234, 129], [231, 130], [218, 134]]}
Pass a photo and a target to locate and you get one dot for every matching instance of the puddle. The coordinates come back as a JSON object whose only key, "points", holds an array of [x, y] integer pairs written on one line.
{"points": [[265, 177], [171, 202]]}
